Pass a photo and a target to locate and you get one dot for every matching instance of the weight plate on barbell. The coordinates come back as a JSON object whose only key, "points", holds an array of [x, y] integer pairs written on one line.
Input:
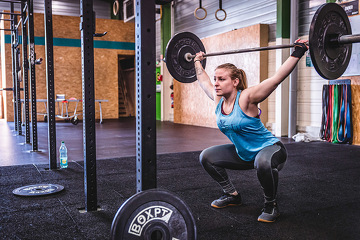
{"points": [[154, 214], [329, 22], [182, 43], [38, 190]]}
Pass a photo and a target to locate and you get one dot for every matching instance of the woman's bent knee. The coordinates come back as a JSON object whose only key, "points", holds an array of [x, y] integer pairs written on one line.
{"points": [[205, 156], [202, 157], [271, 157]]}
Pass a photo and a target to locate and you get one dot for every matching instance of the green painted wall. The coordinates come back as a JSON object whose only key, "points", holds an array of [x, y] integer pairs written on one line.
{"points": [[158, 95], [283, 19], [165, 38], [165, 26]]}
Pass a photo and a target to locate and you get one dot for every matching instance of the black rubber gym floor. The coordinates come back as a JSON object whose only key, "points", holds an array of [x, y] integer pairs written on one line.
{"points": [[318, 197]]}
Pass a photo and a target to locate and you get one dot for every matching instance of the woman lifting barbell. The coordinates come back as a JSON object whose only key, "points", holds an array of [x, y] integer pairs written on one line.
{"points": [[237, 116]]}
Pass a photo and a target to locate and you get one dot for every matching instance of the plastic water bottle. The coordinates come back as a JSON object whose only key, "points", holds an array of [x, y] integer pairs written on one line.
{"points": [[63, 155]]}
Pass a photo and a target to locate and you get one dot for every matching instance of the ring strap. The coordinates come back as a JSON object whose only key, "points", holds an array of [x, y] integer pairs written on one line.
{"points": [[222, 10]]}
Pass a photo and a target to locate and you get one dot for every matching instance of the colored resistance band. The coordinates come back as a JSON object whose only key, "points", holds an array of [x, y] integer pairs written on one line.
{"points": [[341, 125], [335, 114], [348, 128], [328, 124], [330, 110], [336, 117], [345, 129], [324, 119]]}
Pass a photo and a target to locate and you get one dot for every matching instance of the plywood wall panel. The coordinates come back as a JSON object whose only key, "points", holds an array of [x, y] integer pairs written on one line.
{"points": [[72, 29], [116, 30], [67, 64], [192, 106], [355, 108], [9, 108], [70, 82]]}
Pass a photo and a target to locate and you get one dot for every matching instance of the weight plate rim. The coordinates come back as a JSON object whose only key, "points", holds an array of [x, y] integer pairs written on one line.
{"points": [[147, 196], [320, 11], [170, 45], [17, 192]]}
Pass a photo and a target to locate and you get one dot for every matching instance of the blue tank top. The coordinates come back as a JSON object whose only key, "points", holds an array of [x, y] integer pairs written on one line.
{"points": [[248, 134]]}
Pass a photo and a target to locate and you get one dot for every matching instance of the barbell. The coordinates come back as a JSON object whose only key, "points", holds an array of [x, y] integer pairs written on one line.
{"points": [[330, 45]]}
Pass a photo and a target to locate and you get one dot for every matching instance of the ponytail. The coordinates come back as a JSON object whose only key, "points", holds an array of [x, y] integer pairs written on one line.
{"points": [[243, 80]]}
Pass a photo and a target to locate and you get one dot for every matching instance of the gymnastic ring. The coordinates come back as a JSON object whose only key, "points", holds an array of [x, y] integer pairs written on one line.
{"points": [[116, 7], [220, 9], [200, 8]]}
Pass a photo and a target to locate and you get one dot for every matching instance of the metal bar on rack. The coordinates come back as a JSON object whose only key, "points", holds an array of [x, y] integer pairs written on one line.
{"points": [[18, 87], [12, 25], [11, 13], [26, 19], [88, 89], [24, 8], [18, 25], [25, 74], [146, 175], [50, 84], [16, 69], [9, 1], [32, 57]]}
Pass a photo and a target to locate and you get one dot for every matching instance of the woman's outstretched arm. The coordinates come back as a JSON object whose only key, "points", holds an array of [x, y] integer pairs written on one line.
{"points": [[260, 92], [203, 77]]}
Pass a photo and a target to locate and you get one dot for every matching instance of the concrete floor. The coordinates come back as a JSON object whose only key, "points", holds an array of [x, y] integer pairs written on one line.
{"points": [[114, 138]]}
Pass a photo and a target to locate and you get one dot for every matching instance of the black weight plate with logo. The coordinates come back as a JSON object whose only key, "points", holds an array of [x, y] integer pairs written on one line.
{"points": [[330, 59], [181, 69], [154, 214], [38, 190]]}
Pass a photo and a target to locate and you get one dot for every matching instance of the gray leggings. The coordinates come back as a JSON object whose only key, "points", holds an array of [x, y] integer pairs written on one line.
{"points": [[267, 163]]}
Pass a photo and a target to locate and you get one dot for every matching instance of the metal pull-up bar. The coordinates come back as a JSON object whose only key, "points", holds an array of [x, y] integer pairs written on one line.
{"points": [[7, 13], [10, 1]]}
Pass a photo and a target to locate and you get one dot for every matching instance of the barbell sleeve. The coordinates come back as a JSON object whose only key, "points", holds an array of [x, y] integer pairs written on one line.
{"points": [[349, 39]]}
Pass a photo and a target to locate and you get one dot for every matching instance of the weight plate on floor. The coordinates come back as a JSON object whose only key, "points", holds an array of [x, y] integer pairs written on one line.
{"points": [[153, 214], [38, 190], [180, 68], [329, 59]]}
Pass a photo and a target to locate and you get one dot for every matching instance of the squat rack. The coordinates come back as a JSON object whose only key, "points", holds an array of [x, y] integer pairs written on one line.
{"points": [[27, 36], [145, 67], [145, 94]]}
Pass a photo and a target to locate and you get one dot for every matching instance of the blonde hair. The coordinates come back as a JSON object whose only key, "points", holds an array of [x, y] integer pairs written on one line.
{"points": [[235, 73]]}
